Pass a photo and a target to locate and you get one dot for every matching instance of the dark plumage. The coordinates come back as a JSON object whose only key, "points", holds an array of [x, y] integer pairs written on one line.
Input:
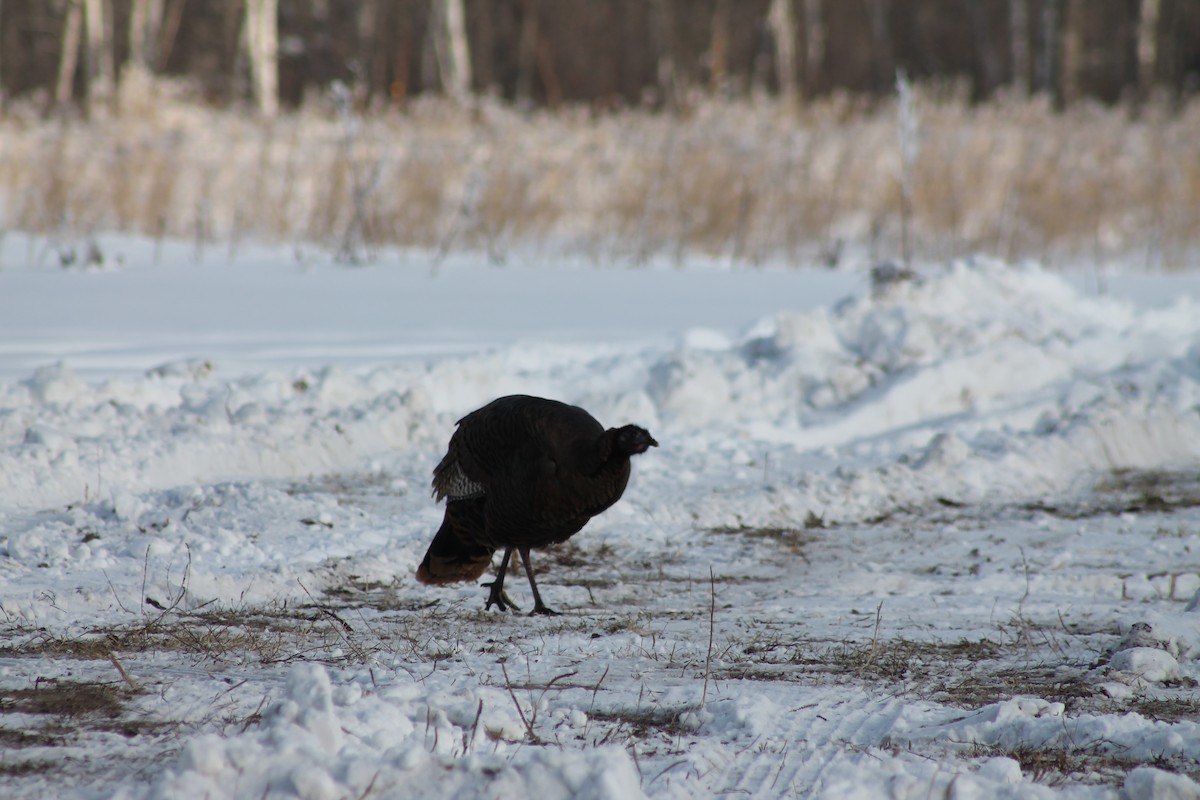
{"points": [[523, 472]]}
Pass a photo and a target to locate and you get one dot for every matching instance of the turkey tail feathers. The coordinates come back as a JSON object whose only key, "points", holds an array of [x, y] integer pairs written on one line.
{"points": [[450, 559]]}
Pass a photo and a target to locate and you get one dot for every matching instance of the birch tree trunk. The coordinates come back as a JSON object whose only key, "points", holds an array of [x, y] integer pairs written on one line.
{"points": [[68, 60], [262, 47], [448, 32], [145, 21], [99, 54], [782, 21], [458, 81], [135, 88]]}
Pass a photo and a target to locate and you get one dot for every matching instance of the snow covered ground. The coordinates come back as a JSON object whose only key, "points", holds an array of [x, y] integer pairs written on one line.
{"points": [[936, 537]]}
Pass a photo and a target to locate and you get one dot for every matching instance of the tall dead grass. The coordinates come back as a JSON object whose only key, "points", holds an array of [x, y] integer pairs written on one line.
{"points": [[746, 181]]}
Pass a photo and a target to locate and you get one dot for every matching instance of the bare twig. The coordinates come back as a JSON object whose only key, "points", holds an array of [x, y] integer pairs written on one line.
{"points": [[370, 786], [250, 720], [596, 688], [133, 684], [668, 768], [183, 582], [1025, 565], [343, 628], [712, 614], [113, 589], [874, 651], [470, 745], [145, 572], [508, 684]]}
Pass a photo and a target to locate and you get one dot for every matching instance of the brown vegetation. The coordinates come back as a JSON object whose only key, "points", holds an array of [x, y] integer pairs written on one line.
{"points": [[743, 181]]}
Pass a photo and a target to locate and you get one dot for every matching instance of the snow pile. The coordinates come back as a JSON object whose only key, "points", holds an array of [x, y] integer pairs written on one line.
{"points": [[1011, 723], [979, 383], [1150, 654], [986, 381], [320, 743], [982, 344]]}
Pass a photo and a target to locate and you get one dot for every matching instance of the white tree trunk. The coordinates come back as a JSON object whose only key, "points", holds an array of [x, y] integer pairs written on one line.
{"points": [[458, 79], [262, 47], [145, 19], [68, 59], [448, 35], [135, 87], [782, 21], [99, 54]]}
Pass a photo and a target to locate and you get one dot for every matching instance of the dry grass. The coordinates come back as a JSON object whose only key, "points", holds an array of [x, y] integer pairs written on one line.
{"points": [[1056, 766], [748, 181], [792, 540], [65, 712], [1128, 491], [65, 698], [641, 722], [262, 636]]}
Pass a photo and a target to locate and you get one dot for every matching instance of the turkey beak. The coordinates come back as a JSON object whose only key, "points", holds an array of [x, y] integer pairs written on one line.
{"points": [[650, 441]]}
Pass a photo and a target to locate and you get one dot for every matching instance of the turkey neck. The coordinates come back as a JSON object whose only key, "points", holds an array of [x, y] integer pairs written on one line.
{"points": [[606, 457]]}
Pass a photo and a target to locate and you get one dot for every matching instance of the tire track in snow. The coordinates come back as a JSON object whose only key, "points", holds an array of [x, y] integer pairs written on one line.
{"points": [[791, 757]]}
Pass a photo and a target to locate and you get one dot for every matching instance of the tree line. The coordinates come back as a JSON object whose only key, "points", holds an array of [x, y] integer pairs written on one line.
{"points": [[606, 53]]}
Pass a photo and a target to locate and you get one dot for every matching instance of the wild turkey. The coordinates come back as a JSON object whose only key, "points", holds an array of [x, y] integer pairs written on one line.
{"points": [[523, 472]]}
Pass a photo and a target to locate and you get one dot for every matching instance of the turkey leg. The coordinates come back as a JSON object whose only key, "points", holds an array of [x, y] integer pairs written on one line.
{"points": [[538, 606]]}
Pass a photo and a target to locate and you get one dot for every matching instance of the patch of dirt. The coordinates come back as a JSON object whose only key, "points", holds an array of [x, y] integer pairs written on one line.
{"points": [[640, 722], [263, 635], [65, 698], [21, 768], [793, 540]]}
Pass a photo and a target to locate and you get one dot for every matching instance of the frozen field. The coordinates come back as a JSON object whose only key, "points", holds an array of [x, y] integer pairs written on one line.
{"points": [[936, 537]]}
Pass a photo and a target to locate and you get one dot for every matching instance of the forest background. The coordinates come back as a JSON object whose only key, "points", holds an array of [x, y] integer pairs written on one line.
{"points": [[808, 130]]}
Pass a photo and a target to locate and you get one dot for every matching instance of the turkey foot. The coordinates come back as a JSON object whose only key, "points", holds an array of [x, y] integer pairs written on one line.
{"points": [[497, 596]]}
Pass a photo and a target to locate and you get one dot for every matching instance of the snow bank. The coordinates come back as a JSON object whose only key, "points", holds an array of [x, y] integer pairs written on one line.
{"points": [[319, 743], [983, 380], [977, 383]]}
